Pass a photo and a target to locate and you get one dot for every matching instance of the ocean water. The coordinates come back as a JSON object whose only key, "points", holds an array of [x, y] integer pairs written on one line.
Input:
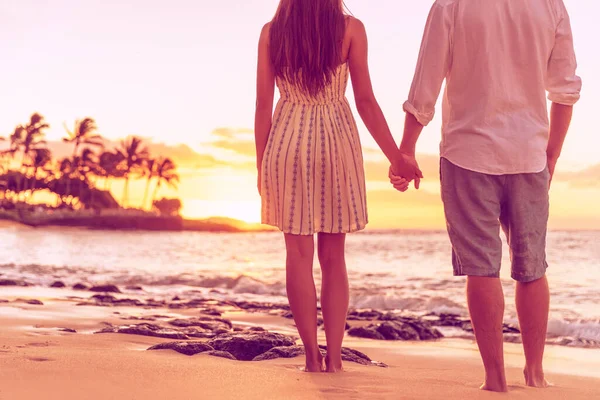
{"points": [[388, 270]]}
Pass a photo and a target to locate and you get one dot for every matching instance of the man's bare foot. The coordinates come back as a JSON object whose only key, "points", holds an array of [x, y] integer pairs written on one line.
{"points": [[494, 388], [495, 382], [535, 379]]}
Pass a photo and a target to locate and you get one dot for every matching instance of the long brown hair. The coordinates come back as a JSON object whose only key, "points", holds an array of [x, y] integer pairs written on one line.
{"points": [[306, 42]]}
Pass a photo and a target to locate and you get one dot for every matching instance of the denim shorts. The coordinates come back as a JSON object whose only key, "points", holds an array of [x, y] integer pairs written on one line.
{"points": [[477, 205]]}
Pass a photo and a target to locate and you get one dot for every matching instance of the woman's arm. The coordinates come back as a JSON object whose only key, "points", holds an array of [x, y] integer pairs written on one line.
{"points": [[265, 91], [366, 104]]}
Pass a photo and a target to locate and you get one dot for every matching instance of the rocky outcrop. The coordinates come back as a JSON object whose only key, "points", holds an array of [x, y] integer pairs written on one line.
{"points": [[79, 286], [209, 323], [105, 289], [281, 352], [11, 282], [223, 354], [402, 328], [246, 346], [454, 320], [189, 348], [108, 299], [58, 284], [146, 329], [33, 302]]}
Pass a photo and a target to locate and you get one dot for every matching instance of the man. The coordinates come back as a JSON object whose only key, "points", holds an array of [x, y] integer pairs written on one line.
{"points": [[498, 153]]}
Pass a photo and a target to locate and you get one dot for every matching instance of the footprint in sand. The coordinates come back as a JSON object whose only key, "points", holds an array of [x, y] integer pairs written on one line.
{"points": [[39, 359]]}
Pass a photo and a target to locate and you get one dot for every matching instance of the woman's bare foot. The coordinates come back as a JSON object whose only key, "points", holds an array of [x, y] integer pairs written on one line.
{"points": [[535, 379], [314, 364], [333, 367]]}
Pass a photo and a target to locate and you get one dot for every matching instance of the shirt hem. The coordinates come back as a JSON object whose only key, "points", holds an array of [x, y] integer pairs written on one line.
{"points": [[535, 170]]}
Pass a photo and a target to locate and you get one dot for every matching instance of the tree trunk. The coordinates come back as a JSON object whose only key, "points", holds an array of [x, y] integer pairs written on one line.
{"points": [[155, 193], [146, 192], [125, 189]]}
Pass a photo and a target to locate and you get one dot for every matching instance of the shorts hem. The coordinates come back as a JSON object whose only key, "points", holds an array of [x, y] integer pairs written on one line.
{"points": [[287, 231]]}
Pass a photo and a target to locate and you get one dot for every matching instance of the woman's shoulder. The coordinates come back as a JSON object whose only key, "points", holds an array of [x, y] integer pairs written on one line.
{"points": [[265, 32], [354, 24]]}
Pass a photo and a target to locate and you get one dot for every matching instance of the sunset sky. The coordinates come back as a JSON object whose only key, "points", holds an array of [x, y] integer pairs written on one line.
{"points": [[182, 74]]}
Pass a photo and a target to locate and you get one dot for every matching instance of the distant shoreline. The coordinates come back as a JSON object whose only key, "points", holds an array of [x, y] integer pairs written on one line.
{"points": [[130, 220]]}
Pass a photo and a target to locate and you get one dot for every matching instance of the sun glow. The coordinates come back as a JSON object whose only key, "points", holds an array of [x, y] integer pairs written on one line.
{"points": [[243, 210]]}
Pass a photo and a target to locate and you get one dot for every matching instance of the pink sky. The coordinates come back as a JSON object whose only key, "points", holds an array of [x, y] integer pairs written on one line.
{"points": [[176, 71]]}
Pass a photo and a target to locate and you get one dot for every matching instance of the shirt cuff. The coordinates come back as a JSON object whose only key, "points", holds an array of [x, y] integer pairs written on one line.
{"points": [[567, 99], [424, 118]]}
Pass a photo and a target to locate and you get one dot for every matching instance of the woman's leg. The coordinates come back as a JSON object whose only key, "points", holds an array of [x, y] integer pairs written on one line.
{"points": [[334, 295], [302, 295]]}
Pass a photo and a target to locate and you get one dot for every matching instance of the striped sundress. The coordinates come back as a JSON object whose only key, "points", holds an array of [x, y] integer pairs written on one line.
{"points": [[312, 173]]}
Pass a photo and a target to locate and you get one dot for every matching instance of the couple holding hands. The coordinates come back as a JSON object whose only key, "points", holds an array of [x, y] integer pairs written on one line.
{"points": [[499, 60]]}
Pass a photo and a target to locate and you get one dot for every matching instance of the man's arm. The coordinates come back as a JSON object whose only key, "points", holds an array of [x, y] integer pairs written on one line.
{"points": [[432, 67], [560, 119], [563, 86]]}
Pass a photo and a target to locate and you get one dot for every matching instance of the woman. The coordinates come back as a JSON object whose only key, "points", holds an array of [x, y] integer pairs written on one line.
{"points": [[309, 159]]}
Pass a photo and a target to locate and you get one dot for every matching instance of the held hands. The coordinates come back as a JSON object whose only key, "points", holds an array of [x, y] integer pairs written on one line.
{"points": [[405, 170]]}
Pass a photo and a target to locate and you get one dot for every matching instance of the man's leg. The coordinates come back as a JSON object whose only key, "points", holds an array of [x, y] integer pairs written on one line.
{"points": [[524, 219], [486, 307], [533, 300], [472, 204]]}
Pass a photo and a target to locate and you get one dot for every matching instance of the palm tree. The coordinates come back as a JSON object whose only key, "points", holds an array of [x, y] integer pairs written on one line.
{"points": [[150, 172], [32, 135], [133, 154], [108, 167], [84, 133], [40, 159], [166, 171], [16, 139]]}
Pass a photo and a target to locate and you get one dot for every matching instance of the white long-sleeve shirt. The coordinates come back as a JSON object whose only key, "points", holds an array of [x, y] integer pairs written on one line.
{"points": [[499, 58]]}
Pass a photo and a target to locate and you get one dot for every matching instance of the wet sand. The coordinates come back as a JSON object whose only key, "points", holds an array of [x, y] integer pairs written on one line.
{"points": [[38, 361]]}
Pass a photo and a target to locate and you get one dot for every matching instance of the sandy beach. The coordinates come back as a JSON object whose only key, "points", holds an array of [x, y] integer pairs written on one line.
{"points": [[39, 361]]}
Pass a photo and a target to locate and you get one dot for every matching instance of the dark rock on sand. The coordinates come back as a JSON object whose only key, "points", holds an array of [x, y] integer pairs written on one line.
{"points": [[281, 352], [354, 356], [155, 303], [68, 330], [365, 332], [146, 329], [58, 284], [188, 348], [210, 311], [256, 329], [33, 302], [79, 286], [252, 306], [108, 299], [176, 298], [204, 322], [200, 333], [246, 346], [455, 320], [11, 282], [3, 301], [104, 298], [105, 289], [134, 287], [224, 354], [364, 315], [510, 328], [194, 303], [400, 329]]}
